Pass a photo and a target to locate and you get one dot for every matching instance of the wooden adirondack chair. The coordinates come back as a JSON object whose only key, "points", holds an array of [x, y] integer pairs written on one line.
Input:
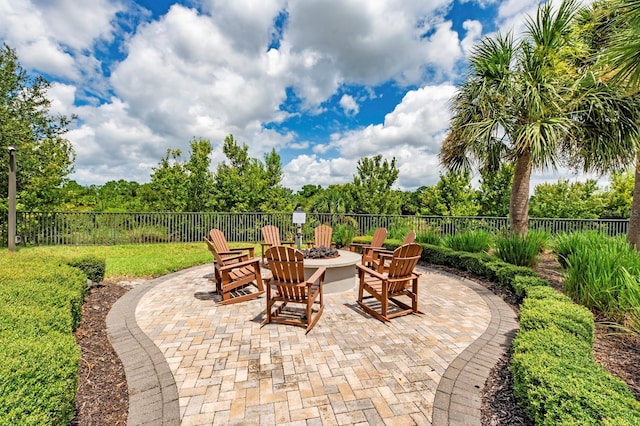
{"points": [[382, 256], [234, 273], [322, 236], [271, 238], [220, 241], [400, 280], [368, 249], [288, 285]]}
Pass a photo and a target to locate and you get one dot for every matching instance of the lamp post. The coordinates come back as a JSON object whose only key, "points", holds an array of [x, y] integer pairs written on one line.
{"points": [[12, 199], [299, 218]]}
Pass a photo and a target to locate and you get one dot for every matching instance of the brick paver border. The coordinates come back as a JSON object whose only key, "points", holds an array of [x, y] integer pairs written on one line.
{"points": [[153, 395], [458, 397]]}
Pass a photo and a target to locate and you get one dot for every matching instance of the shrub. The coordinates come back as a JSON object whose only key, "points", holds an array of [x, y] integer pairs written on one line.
{"points": [[474, 241], [508, 272], [429, 236], [344, 233], [563, 245], [566, 316], [559, 383], [521, 251], [92, 266], [42, 302], [603, 274], [554, 373], [523, 283]]}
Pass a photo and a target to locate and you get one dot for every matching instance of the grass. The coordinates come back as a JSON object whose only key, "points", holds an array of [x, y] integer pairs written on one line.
{"points": [[140, 260]]}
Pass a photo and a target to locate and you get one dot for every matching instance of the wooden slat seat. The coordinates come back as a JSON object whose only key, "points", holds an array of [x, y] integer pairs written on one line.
{"points": [[386, 287], [235, 272], [288, 286]]}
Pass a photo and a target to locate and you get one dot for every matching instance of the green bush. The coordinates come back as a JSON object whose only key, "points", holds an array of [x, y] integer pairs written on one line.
{"points": [[508, 272], [559, 383], [474, 241], [344, 233], [545, 313], [429, 236], [38, 379], [523, 283], [42, 304], [555, 376], [521, 251], [563, 245], [92, 266]]}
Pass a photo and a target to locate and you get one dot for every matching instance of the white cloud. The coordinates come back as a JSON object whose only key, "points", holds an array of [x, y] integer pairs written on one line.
{"points": [[474, 33], [48, 34], [349, 105], [412, 133]]}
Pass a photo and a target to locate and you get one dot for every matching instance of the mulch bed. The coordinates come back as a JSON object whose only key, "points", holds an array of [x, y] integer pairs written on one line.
{"points": [[103, 396], [103, 399]]}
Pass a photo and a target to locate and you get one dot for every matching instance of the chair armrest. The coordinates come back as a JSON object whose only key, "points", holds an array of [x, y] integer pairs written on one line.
{"points": [[240, 264], [319, 273], [382, 250], [251, 249], [232, 255], [370, 271], [354, 246]]}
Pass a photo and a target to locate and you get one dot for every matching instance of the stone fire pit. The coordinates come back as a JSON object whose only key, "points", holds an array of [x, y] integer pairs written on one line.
{"points": [[341, 271], [321, 252]]}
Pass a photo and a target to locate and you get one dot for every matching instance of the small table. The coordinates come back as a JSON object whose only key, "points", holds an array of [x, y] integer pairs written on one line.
{"points": [[341, 271]]}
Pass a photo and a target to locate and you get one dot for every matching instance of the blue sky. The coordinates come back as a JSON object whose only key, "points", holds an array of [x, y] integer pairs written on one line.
{"points": [[323, 82]]}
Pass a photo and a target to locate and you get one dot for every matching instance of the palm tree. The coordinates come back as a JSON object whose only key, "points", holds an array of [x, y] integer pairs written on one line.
{"points": [[529, 103], [624, 56]]}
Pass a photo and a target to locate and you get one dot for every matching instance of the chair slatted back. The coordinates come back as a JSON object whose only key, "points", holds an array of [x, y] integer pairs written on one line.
{"points": [[409, 238], [378, 237], [219, 240], [405, 258], [214, 251], [287, 264], [271, 235], [323, 234]]}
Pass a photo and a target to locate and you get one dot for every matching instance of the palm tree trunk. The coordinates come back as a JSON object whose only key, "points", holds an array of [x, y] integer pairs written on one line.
{"points": [[519, 204], [633, 235]]}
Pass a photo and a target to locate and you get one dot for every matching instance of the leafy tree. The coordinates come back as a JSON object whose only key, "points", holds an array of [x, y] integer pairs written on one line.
{"points": [[167, 190], [371, 189], [245, 184], [535, 102], [619, 197], [120, 195], [576, 200], [44, 157], [199, 183], [453, 195], [495, 190], [77, 197], [334, 199]]}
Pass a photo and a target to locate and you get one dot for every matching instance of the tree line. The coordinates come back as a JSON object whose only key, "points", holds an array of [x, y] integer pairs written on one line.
{"points": [[563, 94]]}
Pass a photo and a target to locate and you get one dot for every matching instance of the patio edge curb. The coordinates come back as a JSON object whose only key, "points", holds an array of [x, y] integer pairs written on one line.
{"points": [[153, 394], [458, 398]]}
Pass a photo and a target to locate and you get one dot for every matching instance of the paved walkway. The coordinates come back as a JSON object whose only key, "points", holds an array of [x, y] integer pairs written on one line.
{"points": [[190, 361]]}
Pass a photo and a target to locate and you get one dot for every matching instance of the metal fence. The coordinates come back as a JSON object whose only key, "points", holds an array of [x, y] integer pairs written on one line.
{"points": [[94, 228]]}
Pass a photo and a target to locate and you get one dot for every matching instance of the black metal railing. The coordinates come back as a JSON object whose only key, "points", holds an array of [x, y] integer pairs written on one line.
{"points": [[96, 228]]}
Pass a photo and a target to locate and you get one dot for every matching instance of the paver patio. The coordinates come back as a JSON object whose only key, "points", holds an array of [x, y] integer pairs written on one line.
{"points": [[214, 364]]}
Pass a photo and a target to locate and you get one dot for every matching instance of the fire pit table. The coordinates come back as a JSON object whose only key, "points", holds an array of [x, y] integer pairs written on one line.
{"points": [[341, 271]]}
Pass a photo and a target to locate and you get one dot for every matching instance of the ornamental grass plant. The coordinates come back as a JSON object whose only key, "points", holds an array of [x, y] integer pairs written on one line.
{"points": [[473, 241], [603, 273]]}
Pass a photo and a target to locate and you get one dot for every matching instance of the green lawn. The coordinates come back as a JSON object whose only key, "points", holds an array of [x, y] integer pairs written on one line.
{"points": [[140, 260]]}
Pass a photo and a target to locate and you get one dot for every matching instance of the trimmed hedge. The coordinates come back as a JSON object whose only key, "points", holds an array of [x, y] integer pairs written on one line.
{"points": [[555, 376], [92, 266], [39, 358]]}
